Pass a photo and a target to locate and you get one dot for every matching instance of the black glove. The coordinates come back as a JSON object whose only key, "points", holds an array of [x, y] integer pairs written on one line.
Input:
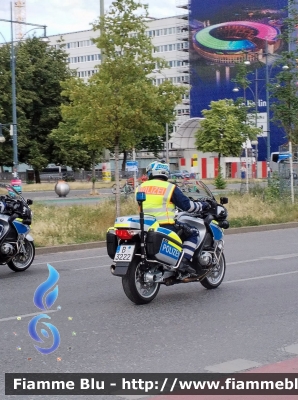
{"points": [[205, 205]]}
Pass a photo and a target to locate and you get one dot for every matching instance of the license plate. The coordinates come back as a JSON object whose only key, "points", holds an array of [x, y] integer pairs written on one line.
{"points": [[124, 253]]}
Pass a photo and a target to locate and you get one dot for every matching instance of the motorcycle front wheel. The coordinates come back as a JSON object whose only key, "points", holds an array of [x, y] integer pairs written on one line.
{"points": [[213, 280], [138, 291], [22, 261]]}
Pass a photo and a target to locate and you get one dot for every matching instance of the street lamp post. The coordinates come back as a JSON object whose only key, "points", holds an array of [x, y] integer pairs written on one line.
{"points": [[267, 108], [167, 125], [167, 143], [255, 95], [14, 100], [13, 84]]}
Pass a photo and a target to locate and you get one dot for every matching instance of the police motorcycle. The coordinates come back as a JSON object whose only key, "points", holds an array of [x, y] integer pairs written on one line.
{"points": [[17, 249], [146, 255]]}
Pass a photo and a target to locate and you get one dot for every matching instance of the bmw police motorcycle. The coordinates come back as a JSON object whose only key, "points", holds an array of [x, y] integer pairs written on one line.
{"points": [[146, 255], [16, 244]]}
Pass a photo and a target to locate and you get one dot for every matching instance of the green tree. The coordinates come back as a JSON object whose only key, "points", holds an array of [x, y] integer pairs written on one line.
{"points": [[224, 129], [155, 144], [39, 71], [69, 148], [120, 104], [219, 181]]}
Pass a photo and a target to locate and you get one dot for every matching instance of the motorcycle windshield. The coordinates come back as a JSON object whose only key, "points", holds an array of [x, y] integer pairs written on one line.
{"points": [[8, 191], [203, 191]]}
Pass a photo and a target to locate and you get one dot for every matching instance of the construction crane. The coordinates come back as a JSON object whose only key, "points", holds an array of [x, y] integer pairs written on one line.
{"points": [[20, 16]]}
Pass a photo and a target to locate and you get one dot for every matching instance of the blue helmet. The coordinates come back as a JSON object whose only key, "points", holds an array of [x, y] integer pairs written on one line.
{"points": [[158, 169]]}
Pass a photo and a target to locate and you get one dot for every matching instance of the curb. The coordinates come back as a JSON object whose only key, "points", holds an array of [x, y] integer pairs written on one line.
{"points": [[261, 228], [69, 247], [96, 245]]}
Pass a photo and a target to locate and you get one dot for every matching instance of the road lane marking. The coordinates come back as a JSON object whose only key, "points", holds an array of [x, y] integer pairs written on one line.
{"points": [[26, 315], [277, 257], [71, 259], [261, 277], [293, 348], [81, 269], [232, 366]]}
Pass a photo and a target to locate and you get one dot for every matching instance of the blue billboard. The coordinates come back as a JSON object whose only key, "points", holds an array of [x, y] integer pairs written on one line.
{"points": [[225, 34]]}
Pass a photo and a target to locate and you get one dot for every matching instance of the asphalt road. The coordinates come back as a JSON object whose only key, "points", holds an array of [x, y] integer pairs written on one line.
{"points": [[83, 196], [249, 321], [84, 192]]}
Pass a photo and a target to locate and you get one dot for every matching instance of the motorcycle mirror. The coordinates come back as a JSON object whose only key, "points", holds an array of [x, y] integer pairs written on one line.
{"points": [[29, 202], [224, 200], [224, 224]]}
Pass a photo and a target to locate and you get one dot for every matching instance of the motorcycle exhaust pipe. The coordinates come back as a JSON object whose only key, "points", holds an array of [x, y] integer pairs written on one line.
{"points": [[190, 279], [112, 269]]}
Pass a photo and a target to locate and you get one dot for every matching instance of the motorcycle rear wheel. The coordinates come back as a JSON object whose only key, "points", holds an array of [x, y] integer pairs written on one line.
{"points": [[136, 290], [21, 261], [213, 280]]}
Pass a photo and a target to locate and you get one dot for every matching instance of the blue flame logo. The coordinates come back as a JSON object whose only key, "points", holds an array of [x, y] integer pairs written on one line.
{"points": [[44, 302], [53, 330], [40, 292]]}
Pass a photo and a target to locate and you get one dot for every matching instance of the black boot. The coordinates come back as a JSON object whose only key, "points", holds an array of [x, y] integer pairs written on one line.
{"points": [[185, 267]]}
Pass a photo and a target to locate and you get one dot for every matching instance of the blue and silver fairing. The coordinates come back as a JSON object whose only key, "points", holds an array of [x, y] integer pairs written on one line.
{"points": [[22, 230]]}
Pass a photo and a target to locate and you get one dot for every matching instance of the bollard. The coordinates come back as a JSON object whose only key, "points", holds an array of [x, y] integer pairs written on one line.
{"points": [[62, 188]]}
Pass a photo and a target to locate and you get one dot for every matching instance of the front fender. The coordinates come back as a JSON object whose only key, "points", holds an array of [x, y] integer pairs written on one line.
{"points": [[29, 237]]}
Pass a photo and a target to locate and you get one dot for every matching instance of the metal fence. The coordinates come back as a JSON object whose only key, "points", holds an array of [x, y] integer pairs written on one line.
{"points": [[284, 171], [81, 176]]}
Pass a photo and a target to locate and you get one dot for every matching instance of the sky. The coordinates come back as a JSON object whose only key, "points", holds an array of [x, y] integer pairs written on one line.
{"points": [[63, 16]]}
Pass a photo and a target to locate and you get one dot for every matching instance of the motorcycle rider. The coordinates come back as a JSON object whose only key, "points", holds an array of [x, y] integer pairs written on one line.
{"points": [[161, 199]]}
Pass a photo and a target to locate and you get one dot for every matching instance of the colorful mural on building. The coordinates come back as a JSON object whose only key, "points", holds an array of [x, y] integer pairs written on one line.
{"points": [[227, 33]]}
